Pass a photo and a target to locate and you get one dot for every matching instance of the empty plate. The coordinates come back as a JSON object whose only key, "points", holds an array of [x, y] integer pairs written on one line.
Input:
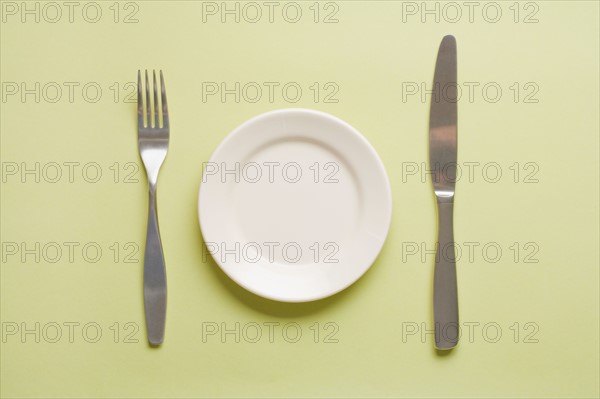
{"points": [[294, 205]]}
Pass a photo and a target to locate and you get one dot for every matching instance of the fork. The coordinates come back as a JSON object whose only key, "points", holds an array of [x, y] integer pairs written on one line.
{"points": [[153, 142]]}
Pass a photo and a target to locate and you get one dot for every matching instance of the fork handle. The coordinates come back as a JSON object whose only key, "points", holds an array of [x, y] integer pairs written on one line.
{"points": [[155, 279], [445, 296]]}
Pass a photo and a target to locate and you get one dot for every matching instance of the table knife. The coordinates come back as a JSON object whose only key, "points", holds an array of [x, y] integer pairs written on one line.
{"points": [[442, 159]]}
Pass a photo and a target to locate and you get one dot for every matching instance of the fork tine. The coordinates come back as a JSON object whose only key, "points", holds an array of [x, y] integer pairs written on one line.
{"points": [[163, 100], [148, 102], [140, 100], [155, 100]]}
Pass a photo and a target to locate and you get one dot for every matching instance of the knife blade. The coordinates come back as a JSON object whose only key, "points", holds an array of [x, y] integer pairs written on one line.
{"points": [[442, 159]]}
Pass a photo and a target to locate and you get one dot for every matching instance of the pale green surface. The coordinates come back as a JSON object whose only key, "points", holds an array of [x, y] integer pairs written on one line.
{"points": [[369, 53]]}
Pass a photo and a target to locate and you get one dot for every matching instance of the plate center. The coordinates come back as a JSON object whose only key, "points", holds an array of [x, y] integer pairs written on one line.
{"points": [[296, 201]]}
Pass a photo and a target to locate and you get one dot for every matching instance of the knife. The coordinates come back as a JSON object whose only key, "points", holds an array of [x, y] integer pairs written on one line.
{"points": [[442, 159]]}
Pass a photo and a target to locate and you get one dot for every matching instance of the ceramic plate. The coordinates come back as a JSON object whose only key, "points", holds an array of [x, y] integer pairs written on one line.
{"points": [[294, 205]]}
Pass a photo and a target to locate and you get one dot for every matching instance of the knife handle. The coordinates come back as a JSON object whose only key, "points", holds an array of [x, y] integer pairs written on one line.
{"points": [[445, 296]]}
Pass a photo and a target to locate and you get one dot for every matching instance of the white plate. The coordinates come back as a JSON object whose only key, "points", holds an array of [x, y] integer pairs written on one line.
{"points": [[294, 205]]}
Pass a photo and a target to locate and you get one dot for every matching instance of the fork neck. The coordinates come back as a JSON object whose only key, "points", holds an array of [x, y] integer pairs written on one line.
{"points": [[152, 189]]}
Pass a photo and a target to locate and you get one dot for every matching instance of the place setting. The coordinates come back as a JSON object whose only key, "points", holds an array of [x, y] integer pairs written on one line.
{"points": [[295, 204]]}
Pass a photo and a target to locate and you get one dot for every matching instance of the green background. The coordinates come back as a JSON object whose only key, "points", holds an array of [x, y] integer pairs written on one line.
{"points": [[543, 298]]}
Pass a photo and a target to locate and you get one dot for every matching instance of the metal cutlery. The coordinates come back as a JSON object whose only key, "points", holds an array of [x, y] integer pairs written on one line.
{"points": [[442, 159], [153, 142]]}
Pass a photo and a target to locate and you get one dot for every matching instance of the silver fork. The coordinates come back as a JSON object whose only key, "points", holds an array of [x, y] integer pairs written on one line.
{"points": [[153, 141]]}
